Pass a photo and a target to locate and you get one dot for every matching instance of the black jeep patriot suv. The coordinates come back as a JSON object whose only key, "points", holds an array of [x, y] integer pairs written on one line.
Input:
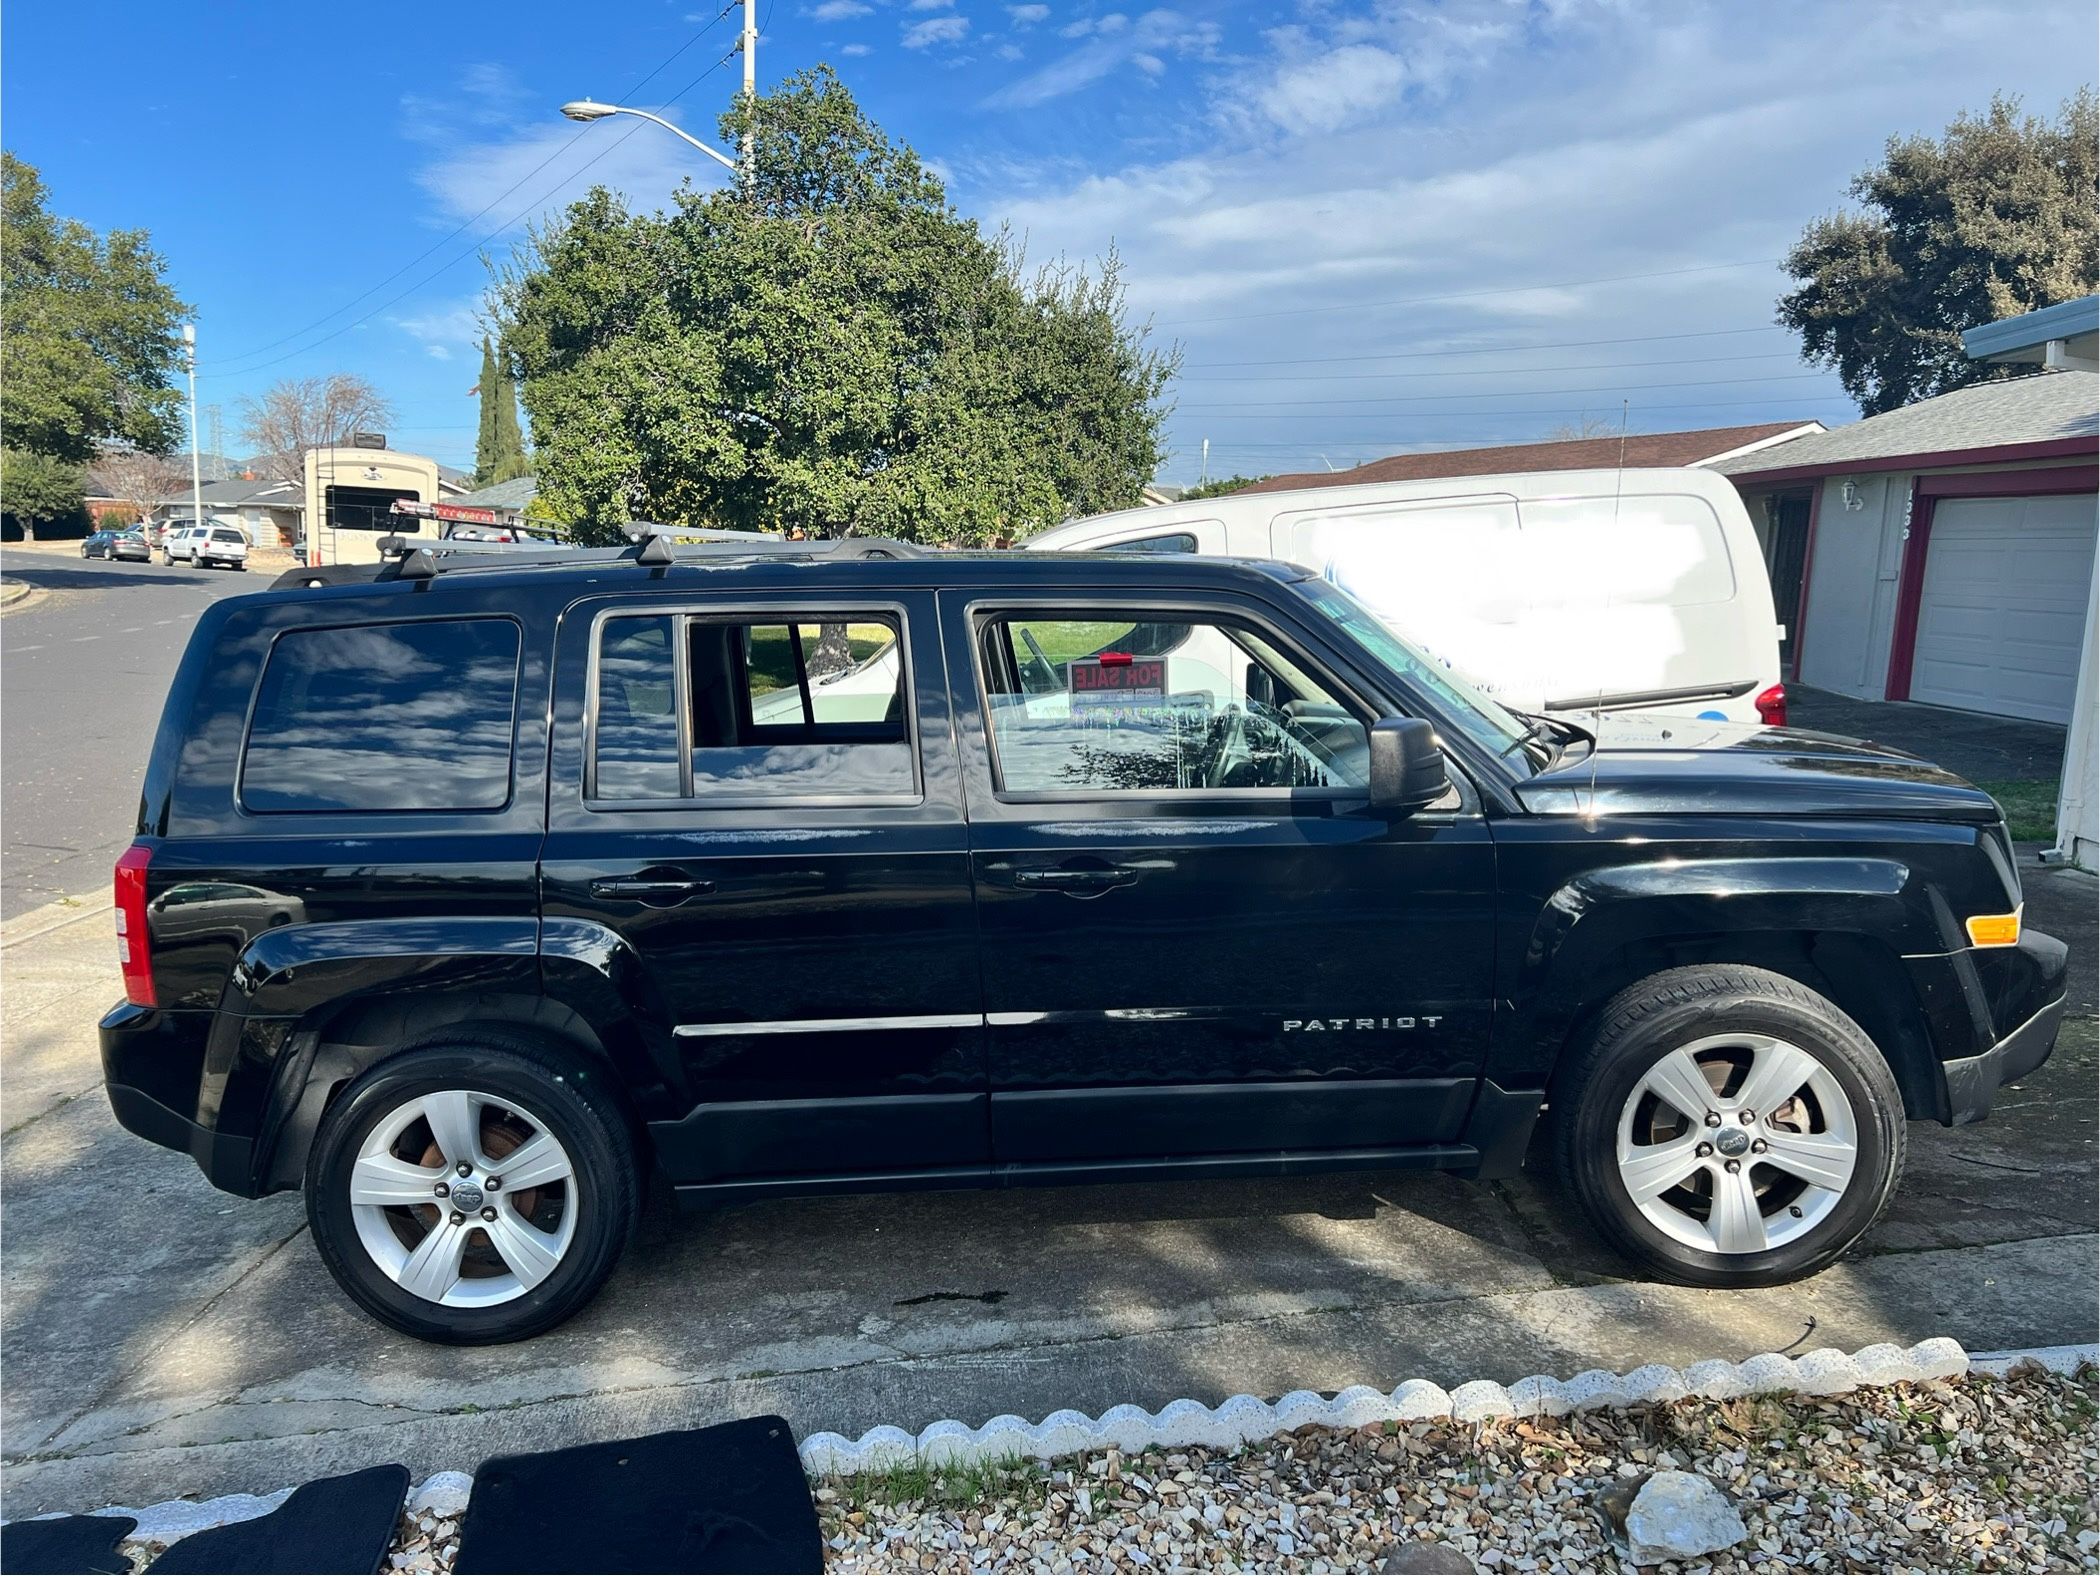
{"points": [[471, 890]]}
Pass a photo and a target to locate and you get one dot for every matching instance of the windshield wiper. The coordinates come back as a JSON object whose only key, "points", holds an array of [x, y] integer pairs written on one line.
{"points": [[1544, 728]]}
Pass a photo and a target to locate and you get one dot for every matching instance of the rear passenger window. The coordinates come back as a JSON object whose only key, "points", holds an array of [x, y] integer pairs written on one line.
{"points": [[385, 717], [723, 711]]}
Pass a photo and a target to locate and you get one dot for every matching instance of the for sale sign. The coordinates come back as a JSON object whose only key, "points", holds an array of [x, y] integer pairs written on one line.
{"points": [[1115, 680]]}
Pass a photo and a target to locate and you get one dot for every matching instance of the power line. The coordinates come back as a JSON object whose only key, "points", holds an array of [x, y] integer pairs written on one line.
{"points": [[1471, 295], [1268, 405], [443, 240], [474, 249], [1486, 350], [475, 246], [1485, 372]]}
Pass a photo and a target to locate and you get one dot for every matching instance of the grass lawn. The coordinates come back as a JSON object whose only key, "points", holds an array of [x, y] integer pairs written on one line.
{"points": [[2029, 804]]}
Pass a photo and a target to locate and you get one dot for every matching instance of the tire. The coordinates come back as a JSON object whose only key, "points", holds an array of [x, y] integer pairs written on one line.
{"points": [[584, 1221], [1740, 1030]]}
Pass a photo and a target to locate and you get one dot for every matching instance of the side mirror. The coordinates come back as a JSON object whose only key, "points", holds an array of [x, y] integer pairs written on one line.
{"points": [[1407, 765]]}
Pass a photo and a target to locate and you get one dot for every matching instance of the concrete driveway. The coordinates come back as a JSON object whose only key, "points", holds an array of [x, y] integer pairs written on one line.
{"points": [[163, 1339]]}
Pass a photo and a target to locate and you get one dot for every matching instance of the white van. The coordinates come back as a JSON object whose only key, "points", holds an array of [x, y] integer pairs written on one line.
{"points": [[1555, 591]]}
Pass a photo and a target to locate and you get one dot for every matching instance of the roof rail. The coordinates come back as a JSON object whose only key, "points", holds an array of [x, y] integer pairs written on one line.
{"points": [[411, 558]]}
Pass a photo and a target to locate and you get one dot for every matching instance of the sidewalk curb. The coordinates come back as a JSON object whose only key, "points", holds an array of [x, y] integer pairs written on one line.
{"points": [[1243, 1420], [54, 915]]}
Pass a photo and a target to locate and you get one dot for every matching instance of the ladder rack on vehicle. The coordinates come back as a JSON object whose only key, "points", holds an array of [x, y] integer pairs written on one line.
{"points": [[405, 558]]}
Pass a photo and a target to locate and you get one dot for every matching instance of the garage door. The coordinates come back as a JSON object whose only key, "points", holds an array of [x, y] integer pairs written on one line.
{"points": [[2002, 617]]}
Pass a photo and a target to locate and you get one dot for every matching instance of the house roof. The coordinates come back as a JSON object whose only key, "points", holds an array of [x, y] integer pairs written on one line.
{"points": [[2048, 414], [1641, 449], [228, 495], [517, 493], [2023, 338]]}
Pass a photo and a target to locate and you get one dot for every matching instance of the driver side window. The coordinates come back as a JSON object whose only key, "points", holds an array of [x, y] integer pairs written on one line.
{"points": [[1110, 703]]}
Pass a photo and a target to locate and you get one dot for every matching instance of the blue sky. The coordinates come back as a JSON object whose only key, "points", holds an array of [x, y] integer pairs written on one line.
{"points": [[1372, 225]]}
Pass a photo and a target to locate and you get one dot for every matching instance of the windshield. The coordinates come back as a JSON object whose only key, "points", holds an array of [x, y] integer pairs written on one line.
{"points": [[1486, 722]]}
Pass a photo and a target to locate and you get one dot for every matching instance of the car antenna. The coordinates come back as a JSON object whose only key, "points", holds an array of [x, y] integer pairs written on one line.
{"points": [[1618, 488]]}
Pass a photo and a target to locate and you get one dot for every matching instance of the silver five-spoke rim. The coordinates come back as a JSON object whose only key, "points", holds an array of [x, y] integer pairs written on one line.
{"points": [[1737, 1144], [464, 1199]]}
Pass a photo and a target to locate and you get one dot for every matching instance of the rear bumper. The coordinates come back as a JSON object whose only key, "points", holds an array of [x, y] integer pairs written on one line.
{"points": [[1973, 1082], [153, 1070]]}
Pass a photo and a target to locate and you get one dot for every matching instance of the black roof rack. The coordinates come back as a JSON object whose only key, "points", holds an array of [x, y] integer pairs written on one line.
{"points": [[409, 558]]}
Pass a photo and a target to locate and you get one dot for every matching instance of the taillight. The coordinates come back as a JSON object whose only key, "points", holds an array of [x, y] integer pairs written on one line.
{"points": [[134, 945], [1771, 707]]}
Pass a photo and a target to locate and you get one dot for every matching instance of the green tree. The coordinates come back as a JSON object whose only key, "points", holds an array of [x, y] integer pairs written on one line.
{"points": [[91, 332], [1223, 485], [1994, 218], [825, 345], [499, 451], [39, 489]]}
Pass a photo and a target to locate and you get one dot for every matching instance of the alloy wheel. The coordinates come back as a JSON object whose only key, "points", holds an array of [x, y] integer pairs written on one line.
{"points": [[464, 1199], [1737, 1143]]}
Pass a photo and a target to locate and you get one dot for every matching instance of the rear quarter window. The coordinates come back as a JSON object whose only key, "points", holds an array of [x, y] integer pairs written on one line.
{"points": [[384, 717]]}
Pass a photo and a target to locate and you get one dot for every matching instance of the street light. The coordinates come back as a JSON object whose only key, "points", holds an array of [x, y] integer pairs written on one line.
{"points": [[589, 110], [189, 346]]}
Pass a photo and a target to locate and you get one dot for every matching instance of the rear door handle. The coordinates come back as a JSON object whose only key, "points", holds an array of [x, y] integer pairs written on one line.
{"points": [[656, 891], [1082, 881]]}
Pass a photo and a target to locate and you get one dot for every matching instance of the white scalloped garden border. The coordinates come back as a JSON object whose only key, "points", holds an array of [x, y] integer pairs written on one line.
{"points": [[1243, 1420]]}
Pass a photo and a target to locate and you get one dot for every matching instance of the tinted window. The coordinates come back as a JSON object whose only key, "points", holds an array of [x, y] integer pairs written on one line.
{"points": [[1076, 704], [385, 717], [228, 536], [1170, 542], [772, 709]]}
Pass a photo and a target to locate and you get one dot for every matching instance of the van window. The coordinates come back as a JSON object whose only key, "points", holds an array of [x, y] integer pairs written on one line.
{"points": [[812, 706], [1649, 551], [1168, 542], [384, 717]]}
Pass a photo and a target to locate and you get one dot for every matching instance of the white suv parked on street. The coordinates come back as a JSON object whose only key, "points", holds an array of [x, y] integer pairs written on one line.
{"points": [[204, 545]]}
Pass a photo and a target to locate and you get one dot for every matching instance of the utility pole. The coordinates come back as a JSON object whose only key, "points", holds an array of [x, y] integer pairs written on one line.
{"points": [[749, 45], [1205, 474], [189, 345]]}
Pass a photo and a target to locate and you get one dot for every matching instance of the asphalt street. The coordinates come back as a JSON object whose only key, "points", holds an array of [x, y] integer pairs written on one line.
{"points": [[84, 667]]}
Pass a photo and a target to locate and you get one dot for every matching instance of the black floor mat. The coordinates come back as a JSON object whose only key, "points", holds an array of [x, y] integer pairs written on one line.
{"points": [[340, 1526], [68, 1544], [728, 1498]]}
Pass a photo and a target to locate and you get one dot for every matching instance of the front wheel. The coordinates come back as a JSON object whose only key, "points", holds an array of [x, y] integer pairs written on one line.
{"points": [[473, 1190], [1727, 1126]]}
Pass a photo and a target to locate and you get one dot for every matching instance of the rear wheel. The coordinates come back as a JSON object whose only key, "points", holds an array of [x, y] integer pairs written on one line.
{"points": [[1727, 1126], [473, 1190]]}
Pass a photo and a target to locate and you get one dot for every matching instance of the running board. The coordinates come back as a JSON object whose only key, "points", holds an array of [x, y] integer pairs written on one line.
{"points": [[1275, 1163]]}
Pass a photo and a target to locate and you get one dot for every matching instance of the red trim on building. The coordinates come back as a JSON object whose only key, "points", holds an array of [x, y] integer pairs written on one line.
{"points": [[1926, 491], [1808, 564], [2004, 453]]}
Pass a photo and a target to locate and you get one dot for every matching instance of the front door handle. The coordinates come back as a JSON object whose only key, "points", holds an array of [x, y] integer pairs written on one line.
{"points": [[1076, 881], [664, 891]]}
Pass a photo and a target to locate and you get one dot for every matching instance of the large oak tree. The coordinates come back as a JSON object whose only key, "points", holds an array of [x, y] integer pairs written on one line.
{"points": [[825, 344], [1997, 217]]}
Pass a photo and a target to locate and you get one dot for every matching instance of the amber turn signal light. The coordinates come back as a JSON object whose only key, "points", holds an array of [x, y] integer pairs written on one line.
{"points": [[1995, 930]]}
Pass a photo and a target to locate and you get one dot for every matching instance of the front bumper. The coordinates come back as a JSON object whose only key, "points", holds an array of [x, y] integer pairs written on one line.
{"points": [[1973, 1082]]}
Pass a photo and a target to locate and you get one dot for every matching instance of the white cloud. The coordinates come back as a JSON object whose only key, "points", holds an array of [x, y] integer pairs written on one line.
{"points": [[855, 49], [1010, 51], [929, 5], [1151, 65], [1027, 15], [444, 328], [1453, 175], [1116, 41], [936, 30], [839, 10]]}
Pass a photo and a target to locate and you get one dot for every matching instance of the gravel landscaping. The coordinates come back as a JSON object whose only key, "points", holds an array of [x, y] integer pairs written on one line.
{"points": [[1975, 1474], [1972, 1474]]}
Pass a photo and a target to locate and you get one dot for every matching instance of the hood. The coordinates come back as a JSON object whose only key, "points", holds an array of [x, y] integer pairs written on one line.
{"points": [[1645, 764]]}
